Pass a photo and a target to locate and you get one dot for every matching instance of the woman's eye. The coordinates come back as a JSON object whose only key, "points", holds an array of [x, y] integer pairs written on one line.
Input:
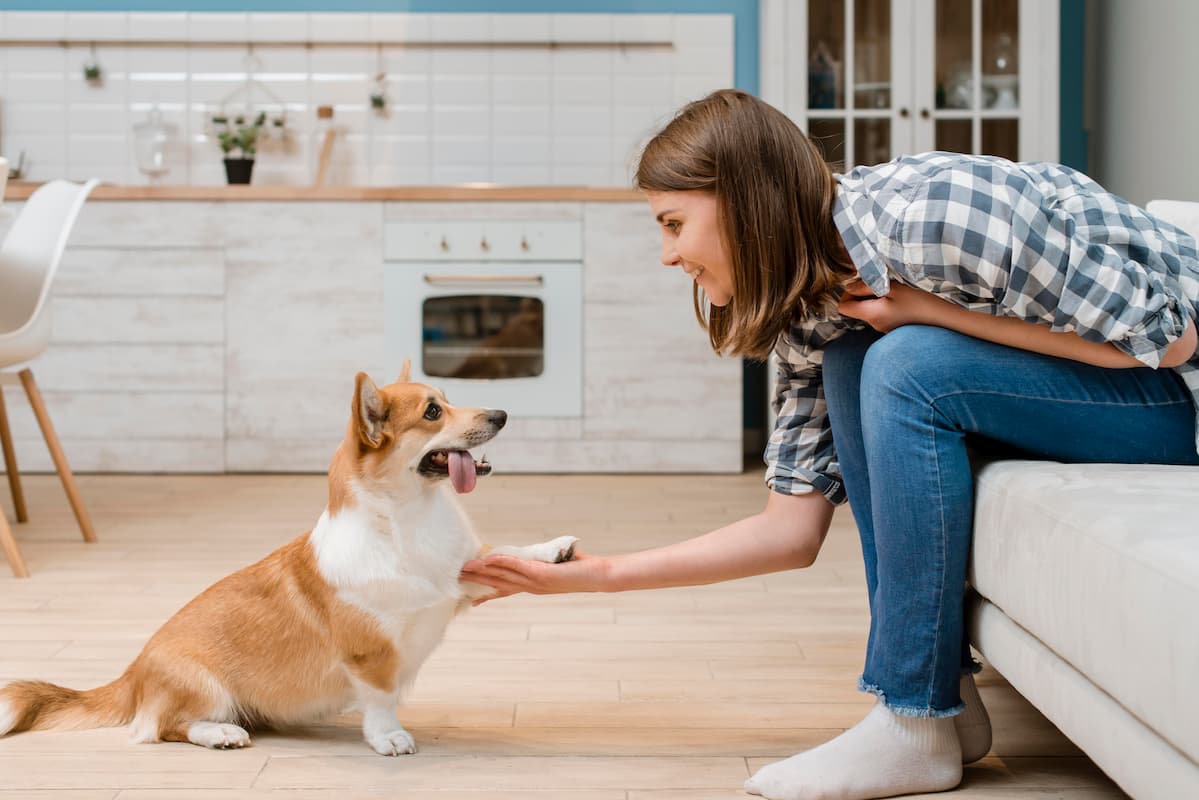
{"points": [[433, 412], [673, 226]]}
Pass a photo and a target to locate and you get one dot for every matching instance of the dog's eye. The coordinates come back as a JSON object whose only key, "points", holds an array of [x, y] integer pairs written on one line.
{"points": [[433, 412]]}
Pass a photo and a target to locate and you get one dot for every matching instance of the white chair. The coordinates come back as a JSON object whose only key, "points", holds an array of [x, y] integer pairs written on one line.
{"points": [[3, 176], [29, 257]]}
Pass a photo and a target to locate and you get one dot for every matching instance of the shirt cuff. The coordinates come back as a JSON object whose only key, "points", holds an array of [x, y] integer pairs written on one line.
{"points": [[802, 481], [1149, 341]]}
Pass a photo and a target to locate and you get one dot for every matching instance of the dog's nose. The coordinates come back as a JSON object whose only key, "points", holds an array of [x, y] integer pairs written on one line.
{"points": [[498, 418]]}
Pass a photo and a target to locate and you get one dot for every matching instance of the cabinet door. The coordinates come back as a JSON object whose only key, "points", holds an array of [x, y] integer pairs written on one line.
{"points": [[857, 72], [985, 74], [975, 76]]}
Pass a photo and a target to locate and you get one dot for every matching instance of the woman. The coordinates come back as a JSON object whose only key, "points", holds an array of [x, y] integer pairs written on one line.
{"points": [[915, 307]]}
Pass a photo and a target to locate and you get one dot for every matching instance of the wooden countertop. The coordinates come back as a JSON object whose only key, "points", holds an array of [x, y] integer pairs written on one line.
{"points": [[20, 190]]}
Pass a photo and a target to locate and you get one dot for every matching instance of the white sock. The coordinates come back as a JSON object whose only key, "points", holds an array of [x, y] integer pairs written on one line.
{"points": [[882, 756], [973, 725]]}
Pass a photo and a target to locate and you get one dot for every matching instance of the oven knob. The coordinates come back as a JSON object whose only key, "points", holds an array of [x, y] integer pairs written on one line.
{"points": [[483, 245], [524, 244], [444, 245]]}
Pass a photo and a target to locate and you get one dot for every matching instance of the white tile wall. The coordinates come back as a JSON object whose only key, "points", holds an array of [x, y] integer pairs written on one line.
{"points": [[505, 98]]}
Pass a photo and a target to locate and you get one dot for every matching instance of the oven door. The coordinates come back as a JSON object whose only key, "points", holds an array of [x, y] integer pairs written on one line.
{"points": [[502, 335]]}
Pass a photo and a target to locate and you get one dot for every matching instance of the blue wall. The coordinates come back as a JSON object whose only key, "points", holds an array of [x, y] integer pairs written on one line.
{"points": [[1072, 139]]}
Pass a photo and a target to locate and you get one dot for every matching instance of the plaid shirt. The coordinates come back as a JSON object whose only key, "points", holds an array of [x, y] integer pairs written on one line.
{"points": [[1038, 242]]}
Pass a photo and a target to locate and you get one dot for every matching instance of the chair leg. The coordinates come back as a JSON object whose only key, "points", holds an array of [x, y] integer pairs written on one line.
{"points": [[60, 458], [10, 463], [9, 544]]}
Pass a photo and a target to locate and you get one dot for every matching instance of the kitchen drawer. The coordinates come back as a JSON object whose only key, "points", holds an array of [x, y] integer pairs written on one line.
{"points": [[499, 240]]}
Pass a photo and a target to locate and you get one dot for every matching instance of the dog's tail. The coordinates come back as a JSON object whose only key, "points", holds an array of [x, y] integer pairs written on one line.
{"points": [[37, 705]]}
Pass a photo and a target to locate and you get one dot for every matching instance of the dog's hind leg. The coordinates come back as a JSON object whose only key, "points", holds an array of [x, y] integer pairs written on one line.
{"points": [[194, 707], [217, 735]]}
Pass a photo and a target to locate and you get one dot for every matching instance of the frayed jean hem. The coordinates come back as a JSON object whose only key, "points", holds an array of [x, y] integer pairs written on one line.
{"points": [[908, 711]]}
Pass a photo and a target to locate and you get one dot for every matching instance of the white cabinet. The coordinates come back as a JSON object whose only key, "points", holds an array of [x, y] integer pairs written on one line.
{"points": [[870, 80]]}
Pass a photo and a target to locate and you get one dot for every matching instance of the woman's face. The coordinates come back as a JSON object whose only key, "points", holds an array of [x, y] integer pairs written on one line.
{"points": [[691, 240]]}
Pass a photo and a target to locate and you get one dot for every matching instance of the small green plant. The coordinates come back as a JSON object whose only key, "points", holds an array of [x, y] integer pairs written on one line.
{"points": [[93, 73], [237, 134]]}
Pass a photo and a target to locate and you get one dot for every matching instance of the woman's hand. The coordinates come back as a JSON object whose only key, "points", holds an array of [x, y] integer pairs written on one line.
{"points": [[903, 305], [509, 575]]}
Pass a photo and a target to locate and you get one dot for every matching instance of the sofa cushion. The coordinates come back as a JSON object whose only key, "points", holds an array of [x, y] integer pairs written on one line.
{"points": [[1101, 563], [1182, 213]]}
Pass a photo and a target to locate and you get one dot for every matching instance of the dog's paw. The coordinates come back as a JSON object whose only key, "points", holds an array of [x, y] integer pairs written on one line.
{"points": [[218, 735], [561, 549], [555, 551], [393, 743]]}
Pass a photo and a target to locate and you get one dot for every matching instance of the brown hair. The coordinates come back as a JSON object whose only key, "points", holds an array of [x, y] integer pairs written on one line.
{"points": [[774, 197]]}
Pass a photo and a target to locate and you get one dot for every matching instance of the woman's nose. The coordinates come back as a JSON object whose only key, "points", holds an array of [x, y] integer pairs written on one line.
{"points": [[670, 258]]}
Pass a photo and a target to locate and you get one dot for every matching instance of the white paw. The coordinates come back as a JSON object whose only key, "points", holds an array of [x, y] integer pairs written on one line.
{"points": [[393, 743], [217, 735], [555, 551]]}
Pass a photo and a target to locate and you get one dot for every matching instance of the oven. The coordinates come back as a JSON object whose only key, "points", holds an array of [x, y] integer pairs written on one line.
{"points": [[489, 311]]}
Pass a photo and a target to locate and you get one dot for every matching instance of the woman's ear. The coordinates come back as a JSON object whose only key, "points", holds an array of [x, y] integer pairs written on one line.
{"points": [[370, 412]]}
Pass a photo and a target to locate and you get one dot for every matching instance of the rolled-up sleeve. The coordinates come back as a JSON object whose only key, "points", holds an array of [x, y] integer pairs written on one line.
{"points": [[1109, 297], [800, 456], [1050, 251]]}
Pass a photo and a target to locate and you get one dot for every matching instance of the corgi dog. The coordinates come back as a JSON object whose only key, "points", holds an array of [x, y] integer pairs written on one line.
{"points": [[342, 616]]}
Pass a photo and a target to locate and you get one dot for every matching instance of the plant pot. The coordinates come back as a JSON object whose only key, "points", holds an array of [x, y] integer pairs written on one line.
{"points": [[237, 170]]}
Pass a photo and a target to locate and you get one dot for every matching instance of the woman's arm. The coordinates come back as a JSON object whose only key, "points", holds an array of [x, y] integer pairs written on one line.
{"points": [[905, 305], [787, 534]]}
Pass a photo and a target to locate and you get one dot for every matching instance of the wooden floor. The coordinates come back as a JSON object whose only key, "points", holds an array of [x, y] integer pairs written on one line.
{"points": [[667, 695]]}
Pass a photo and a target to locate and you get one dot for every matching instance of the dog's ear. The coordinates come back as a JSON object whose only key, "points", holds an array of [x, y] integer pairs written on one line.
{"points": [[405, 371], [370, 412]]}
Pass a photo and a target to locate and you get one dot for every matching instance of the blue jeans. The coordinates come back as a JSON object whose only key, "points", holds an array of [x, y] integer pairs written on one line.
{"points": [[903, 408]]}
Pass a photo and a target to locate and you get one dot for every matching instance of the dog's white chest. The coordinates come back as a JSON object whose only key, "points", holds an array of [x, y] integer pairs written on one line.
{"points": [[395, 559]]}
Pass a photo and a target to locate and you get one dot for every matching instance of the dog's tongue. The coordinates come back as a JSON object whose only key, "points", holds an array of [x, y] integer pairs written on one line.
{"points": [[462, 471]]}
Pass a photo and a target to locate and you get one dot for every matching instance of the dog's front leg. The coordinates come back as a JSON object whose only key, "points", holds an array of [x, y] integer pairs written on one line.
{"points": [[380, 727]]}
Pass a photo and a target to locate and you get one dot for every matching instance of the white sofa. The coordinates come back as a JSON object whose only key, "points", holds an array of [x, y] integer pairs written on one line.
{"points": [[1086, 599]]}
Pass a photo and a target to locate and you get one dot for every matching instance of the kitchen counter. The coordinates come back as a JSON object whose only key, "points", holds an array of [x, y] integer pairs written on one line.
{"points": [[20, 190]]}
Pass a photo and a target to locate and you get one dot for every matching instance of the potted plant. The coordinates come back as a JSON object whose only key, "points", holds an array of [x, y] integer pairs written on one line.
{"points": [[237, 134]]}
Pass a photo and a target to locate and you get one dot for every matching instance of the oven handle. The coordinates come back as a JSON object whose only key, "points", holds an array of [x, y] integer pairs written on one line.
{"points": [[460, 279]]}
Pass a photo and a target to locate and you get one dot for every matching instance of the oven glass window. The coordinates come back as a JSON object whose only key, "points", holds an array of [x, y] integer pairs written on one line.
{"points": [[483, 336]]}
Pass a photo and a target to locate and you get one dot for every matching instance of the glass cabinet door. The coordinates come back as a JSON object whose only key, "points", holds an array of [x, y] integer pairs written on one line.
{"points": [[977, 79], [870, 80], [850, 99]]}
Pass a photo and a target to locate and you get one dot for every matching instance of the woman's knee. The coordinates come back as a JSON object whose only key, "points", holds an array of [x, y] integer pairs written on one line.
{"points": [[914, 360]]}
